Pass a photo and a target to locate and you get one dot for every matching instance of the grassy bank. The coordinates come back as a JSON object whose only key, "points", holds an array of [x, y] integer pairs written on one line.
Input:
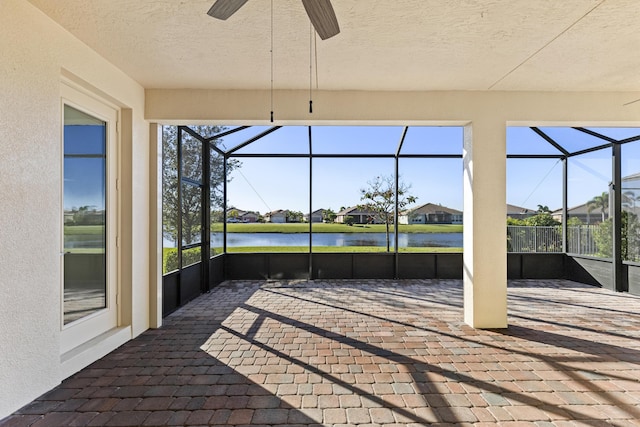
{"points": [[83, 229], [335, 249], [295, 228], [335, 228]]}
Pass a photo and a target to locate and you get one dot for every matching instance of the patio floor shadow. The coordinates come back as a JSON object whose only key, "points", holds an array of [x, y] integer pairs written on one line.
{"points": [[365, 352]]}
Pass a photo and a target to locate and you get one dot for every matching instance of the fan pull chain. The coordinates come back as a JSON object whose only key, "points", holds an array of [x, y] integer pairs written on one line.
{"points": [[315, 53], [310, 67], [271, 51]]}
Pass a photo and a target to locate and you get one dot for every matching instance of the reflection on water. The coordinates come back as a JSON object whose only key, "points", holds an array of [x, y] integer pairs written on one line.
{"points": [[443, 240]]}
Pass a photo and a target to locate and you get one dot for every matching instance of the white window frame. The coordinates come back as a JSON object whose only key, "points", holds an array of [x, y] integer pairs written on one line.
{"points": [[89, 327]]}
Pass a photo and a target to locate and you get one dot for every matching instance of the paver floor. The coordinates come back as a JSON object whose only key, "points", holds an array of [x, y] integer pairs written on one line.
{"points": [[366, 353]]}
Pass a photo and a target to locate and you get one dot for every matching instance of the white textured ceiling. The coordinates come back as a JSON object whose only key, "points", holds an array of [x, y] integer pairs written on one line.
{"points": [[550, 45]]}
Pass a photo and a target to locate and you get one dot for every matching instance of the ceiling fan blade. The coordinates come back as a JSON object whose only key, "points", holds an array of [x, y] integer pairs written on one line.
{"points": [[222, 9], [322, 17]]}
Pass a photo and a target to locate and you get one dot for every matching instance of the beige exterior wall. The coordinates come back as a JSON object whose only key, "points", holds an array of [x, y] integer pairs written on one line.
{"points": [[400, 108], [35, 54]]}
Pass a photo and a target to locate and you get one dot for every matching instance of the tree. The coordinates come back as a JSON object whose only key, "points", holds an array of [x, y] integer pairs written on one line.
{"points": [[630, 237], [629, 199], [295, 216], [88, 215], [380, 198], [601, 202], [530, 236], [217, 216], [233, 213], [630, 242], [541, 219], [192, 167], [328, 215]]}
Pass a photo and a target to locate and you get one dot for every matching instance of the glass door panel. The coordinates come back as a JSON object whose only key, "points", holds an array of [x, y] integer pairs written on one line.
{"points": [[85, 288], [89, 270]]}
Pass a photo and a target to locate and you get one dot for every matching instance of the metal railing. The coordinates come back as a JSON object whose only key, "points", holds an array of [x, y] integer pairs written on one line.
{"points": [[581, 239], [548, 239]]}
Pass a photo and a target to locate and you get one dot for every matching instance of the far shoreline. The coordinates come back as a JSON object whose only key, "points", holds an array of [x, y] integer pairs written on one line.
{"points": [[334, 228]]}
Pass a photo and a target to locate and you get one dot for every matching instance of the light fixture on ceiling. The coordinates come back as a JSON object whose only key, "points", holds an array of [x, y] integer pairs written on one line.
{"points": [[320, 13], [313, 53], [323, 20]]}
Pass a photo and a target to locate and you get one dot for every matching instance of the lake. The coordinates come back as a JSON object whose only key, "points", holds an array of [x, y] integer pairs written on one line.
{"points": [[440, 240], [443, 240], [447, 240]]}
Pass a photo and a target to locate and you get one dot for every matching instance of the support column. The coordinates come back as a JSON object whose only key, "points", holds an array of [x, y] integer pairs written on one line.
{"points": [[615, 212], [155, 225], [485, 231]]}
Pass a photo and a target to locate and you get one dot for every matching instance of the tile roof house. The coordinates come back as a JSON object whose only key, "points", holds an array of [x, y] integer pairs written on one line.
{"points": [[430, 213], [316, 216], [279, 216], [239, 215], [518, 212], [361, 216], [585, 213]]}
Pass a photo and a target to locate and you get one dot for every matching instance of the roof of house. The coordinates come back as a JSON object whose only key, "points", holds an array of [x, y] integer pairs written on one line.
{"points": [[431, 208], [519, 210], [634, 177], [239, 211], [354, 210], [582, 209], [277, 212]]}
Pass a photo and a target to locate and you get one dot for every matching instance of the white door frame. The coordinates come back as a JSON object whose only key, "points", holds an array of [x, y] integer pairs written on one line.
{"points": [[82, 330]]}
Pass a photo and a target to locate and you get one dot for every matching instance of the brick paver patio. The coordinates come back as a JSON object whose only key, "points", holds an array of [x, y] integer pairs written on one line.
{"points": [[366, 353]]}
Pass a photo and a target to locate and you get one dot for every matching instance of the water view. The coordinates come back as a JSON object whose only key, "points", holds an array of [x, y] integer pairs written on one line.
{"points": [[442, 240], [339, 239]]}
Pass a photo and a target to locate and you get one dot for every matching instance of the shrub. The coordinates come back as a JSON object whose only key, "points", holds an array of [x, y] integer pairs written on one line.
{"points": [[170, 259], [630, 237]]}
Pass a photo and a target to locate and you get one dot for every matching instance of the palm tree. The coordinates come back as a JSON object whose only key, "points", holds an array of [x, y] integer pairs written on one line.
{"points": [[629, 199], [601, 201]]}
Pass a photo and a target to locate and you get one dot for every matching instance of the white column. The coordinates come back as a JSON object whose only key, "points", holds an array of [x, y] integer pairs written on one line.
{"points": [[155, 225], [485, 231]]}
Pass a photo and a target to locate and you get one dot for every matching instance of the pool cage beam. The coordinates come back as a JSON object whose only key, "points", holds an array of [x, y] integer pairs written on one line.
{"points": [[396, 225], [310, 205], [205, 231], [616, 196], [615, 190], [565, 203]]}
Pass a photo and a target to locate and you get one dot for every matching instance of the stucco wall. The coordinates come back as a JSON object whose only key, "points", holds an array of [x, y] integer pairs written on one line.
{"points": [[34, 54]]}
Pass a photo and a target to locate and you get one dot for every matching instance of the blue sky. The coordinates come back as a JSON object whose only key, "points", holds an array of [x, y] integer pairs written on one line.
{"points": [[84, 176], [268, 184], [282, 183], [265, 184]]}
